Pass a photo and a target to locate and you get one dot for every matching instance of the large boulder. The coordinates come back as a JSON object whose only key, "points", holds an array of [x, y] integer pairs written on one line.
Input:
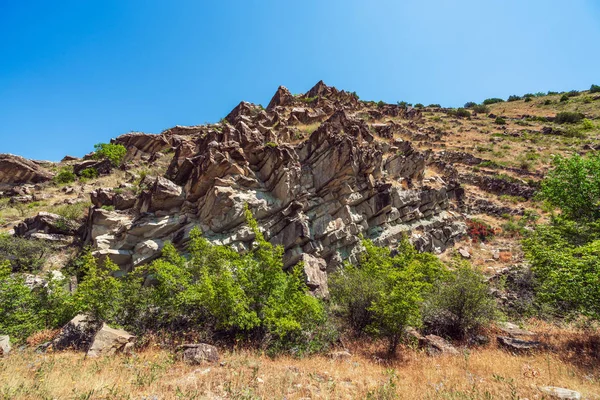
{"points": [[518, 345], [199, 353], [109, 341], [47, 223], [161, 195], [282, 97], [77, 334], [15, 170], [103, 167], [560, 393], [4, 345]]}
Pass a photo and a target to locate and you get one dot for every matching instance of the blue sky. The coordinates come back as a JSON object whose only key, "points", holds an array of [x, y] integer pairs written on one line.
{"points": [[74, 73]]}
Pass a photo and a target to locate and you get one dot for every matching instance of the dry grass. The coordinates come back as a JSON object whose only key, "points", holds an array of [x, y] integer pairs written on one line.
{"points": [[486, 373]]}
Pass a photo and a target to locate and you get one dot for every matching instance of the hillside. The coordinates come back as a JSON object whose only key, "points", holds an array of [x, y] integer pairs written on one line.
{"points": [[325, 176]]}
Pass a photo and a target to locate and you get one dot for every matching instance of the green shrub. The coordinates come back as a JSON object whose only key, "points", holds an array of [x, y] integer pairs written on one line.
{"points": [[514, 97], [72, 212], [567, 117], [480, 109], [65, 175], [470, 104], [23, 255], [459, 306], [547, 102], [89, 173], [419, 105], [271, 144], [24, 311], [492, 100], [594, 89], [527, 99], [112, 152], [434, 105], [564, 98], [404, 104], [573, 185], [573, 93], [587, 125], [500, 121], [463, 113], [382, 294]]}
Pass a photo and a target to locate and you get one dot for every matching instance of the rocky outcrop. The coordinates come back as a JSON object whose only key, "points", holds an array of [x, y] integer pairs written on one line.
{"points": [[142, 146], [17, 170], [282, 98], [46, 223], [314, 196]]}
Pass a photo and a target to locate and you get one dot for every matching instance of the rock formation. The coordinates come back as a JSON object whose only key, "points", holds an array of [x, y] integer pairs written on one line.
{"points": [[17, 170], [315, 194]]}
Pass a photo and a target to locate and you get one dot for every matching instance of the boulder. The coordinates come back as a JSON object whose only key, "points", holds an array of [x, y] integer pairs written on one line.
{"points": [[109, 341], [15, 170], [559, 393], [77, 334], [47, 223], [437, 345], [339, 355], [102, 166], [199, 353], [518, 345], [142, 145], [316, 275], [162, 195], [4, 345]]}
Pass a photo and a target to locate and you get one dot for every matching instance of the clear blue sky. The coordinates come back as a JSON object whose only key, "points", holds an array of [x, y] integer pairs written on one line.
{"points": [[74, 73]]}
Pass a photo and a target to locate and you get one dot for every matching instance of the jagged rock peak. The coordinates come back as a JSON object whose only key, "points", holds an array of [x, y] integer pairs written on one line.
{"points": [[282, 97], [320, 89], [243, 111]]}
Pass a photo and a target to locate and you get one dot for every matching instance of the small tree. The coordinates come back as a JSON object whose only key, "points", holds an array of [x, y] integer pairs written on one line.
{"points": [[595, 89], [460, 305], [574, 186], [112, 152]]}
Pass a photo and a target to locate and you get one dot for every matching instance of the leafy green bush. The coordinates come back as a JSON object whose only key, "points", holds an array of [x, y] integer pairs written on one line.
{"points": [[527, 99], [514, 97], [110, 151], [568, 117], [65, 175], [89, 173], [564, 98], [500, 121], [459, 306], [434, 105], [72, 212], [492, 100], [470, 104], [463, 113], [23, 255], [382, 294], [587, 125], [24, 311], [573, 185], [594, 89], [419, 105], [480, 109]]}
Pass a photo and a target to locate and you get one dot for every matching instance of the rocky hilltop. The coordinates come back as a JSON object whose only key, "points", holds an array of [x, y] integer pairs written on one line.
{"points": [[318, 170]]}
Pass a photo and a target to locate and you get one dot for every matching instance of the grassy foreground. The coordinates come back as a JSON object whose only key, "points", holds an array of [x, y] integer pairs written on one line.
{"points": [[483, 373]]}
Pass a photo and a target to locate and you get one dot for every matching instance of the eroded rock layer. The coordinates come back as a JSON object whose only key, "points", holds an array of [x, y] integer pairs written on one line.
{"points": [[312, 171]]}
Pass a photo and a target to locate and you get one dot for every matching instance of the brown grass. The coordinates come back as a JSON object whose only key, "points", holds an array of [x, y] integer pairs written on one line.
{"points": [[485, 373]]}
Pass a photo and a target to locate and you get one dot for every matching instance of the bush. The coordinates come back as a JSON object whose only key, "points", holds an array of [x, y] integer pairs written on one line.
{"points": [[459, 306], [564, 98], [404, 104], [24, 311], [573, 185], [112, 152], [65, 175], [89, 173], [480, 109], [463, 113], [573, 93], [419, 105], [470, 104], [514, 97], [594, 89], [547, 102], [434, 105], [72, 212], [567, 117], [479, 231], [492, 100], [382, 294], [527, 99], [587, 125], [500, 121], [23, 255]]}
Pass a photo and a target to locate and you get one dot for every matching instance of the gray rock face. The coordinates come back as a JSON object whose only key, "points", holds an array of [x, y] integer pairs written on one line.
{"points": [[109, 341], [16, 170], [314, 196], [518, 345], [4, 345], [200, 353], [142, 145]]}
